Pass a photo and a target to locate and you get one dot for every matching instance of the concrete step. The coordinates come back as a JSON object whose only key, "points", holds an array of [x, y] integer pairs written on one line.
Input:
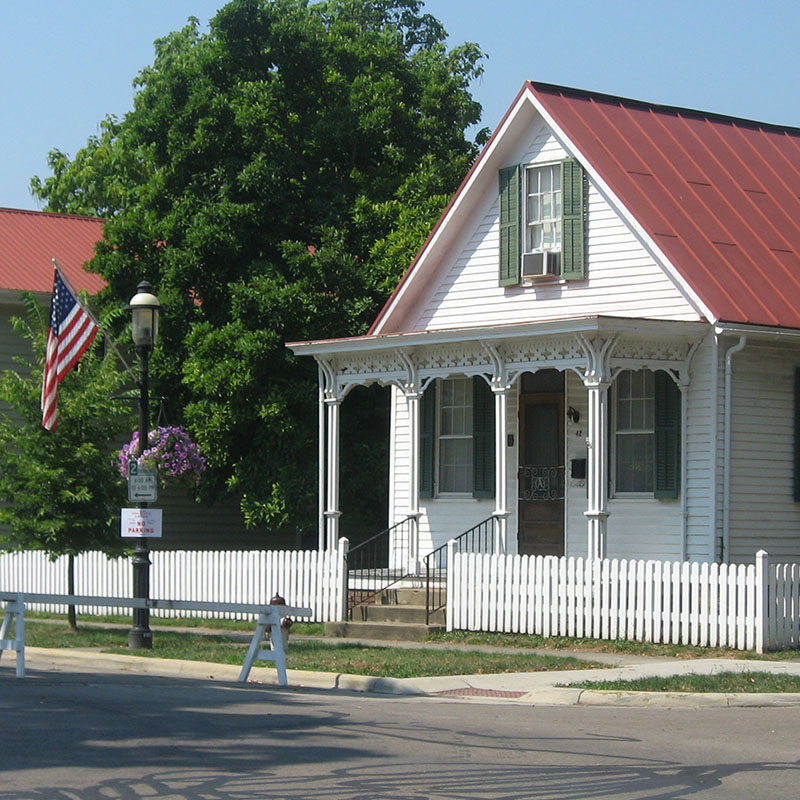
{"points": [[384, 631], [375, 612], [401, 596]]}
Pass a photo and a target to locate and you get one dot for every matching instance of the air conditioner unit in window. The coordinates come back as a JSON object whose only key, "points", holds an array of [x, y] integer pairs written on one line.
{"points": [[544, 264]]}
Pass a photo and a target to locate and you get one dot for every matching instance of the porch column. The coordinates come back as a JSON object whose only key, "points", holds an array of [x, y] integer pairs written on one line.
{"points": [[413, 403], [597, 472], [597, 379], [501, 467], [332, 511]]}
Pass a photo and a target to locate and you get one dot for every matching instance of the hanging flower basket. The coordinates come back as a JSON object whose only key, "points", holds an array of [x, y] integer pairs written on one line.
{"points": [[170, 451]]}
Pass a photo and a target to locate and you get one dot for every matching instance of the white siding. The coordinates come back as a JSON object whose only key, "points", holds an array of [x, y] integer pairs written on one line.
{"points": [[703, 453], [638, 527], [446, 517], [398, 458], [763, 512], [622, 278]]}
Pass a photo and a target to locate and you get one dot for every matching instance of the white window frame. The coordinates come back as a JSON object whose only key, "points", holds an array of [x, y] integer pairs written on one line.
{"points": [[464, 435], [556, 203], [618, 429]]}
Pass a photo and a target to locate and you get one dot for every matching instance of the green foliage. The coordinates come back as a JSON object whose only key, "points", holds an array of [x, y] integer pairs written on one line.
{"points": [[58, 491], [273, 181]]}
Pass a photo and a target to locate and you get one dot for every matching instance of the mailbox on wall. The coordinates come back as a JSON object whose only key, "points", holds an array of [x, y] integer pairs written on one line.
{"points": [[577, 469]]}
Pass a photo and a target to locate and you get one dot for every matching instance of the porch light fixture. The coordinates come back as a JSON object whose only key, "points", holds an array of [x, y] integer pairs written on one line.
{"points": [[573, 414]]}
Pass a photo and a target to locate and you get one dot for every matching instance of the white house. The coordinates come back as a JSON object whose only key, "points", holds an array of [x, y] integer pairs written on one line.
{"points": [[598, 345]]}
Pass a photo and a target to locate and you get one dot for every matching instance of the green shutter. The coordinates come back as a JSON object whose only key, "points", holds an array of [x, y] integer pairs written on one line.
{"points": [[797, 434], [509, 226], [482, 438], [427, 440], [572, 228], [667, 437]]}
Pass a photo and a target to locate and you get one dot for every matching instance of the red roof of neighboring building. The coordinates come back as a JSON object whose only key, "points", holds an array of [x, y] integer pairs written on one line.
{"points": [[719, 196], [30, 239]]}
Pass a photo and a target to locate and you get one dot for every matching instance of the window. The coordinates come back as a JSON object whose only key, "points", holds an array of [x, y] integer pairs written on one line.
{"points": [[543, 208], [646, 442], [635, 409], [457, 438], [541, 222]]}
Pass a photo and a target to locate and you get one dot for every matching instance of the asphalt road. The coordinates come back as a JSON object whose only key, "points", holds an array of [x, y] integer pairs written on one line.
{"points": [[72, 736]]}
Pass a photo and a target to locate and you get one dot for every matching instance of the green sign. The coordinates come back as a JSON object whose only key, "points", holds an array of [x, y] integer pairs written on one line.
{"points": [[142, 483]]}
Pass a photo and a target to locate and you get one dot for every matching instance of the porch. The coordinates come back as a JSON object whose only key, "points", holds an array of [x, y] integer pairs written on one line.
{"points": [[539, 438]]}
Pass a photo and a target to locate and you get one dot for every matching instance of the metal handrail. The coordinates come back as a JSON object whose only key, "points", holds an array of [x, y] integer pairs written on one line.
{"points": [[377, 563], [478, 539]]}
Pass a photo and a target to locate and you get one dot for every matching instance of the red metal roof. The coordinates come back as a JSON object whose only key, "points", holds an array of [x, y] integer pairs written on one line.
{"points": [[30, 239], [719, 196]]}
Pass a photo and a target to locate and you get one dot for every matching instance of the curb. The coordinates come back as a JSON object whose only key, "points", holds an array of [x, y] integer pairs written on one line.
{"points": [[58, 659]]}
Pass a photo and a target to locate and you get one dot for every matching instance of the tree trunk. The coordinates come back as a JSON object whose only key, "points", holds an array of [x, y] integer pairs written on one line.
{"points": [[71, 617]]}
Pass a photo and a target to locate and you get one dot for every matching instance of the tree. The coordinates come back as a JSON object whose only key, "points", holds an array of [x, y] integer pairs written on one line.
{"points": [[59, 491], [273, 180]]}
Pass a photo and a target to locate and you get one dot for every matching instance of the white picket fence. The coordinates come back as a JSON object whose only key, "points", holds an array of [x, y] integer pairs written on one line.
{"points": [[303, 578], [743, 606]]}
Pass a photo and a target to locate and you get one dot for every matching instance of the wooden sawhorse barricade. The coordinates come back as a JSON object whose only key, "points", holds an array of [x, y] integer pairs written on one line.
{"points": [[268, 615]]}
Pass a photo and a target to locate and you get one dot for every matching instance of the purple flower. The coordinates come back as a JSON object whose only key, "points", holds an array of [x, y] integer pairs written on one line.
{"points": [[170, 451]]}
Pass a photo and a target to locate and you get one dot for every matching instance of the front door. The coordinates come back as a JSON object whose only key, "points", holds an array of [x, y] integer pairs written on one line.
{"points": [[541, 475]]}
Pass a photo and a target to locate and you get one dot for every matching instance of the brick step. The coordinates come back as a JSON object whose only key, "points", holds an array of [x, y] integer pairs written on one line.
{"points": [[383, 631]]}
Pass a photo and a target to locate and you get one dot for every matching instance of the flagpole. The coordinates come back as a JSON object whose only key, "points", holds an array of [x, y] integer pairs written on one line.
{"points": [[94, 319]]}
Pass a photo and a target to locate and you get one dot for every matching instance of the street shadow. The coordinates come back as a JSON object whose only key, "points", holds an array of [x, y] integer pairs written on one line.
{"points": [[53, 720], [71, 736]]}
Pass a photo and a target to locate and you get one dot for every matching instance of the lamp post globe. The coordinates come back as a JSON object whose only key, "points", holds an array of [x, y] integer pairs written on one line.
{"points": [[144, 308]]}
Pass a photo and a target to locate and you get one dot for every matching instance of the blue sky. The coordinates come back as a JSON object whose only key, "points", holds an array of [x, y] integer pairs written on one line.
{"points": [[65, 65]]}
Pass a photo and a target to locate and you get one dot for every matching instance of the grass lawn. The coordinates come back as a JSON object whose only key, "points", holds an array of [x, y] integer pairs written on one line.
{"points": [[727, 682], [390, 662], [621, 646], [561, 643]]}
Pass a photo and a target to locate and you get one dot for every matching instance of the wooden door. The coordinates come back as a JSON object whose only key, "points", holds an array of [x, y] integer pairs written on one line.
{"points": [[541, 475]]}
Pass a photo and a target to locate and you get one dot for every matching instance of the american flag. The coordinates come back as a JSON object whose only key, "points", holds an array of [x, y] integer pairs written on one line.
{"points": [[71, 332]]}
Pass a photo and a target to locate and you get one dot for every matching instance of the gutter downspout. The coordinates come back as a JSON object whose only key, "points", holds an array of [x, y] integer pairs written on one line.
{"points": [[726, 482]]}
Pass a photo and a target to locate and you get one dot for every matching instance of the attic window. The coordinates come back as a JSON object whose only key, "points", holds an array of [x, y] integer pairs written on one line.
{"points": [[541, 255], [541, 222]]}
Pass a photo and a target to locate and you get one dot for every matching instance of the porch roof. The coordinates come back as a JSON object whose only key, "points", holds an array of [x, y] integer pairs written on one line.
{"points": [[590, 325]]}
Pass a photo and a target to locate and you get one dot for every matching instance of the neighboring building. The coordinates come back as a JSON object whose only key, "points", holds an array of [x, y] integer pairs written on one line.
{"points": [[598, 345], [29, 240]]}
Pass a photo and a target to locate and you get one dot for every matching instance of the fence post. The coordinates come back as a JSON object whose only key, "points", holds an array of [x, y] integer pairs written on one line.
{"points": [[762, 600], [453, 581], [341, 568]]}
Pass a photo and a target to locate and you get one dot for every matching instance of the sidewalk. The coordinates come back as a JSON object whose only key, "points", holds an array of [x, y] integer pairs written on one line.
{"points": [[530, 688]]}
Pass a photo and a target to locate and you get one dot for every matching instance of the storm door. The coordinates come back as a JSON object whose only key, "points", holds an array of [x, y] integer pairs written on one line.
{"points": [[541, 469]]}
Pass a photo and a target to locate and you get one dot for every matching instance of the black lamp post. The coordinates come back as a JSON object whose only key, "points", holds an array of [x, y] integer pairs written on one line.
{"points": [[144, 308]]}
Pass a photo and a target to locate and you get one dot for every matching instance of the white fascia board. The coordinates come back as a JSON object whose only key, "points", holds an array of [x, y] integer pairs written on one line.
{"points": [[621, 209], [586, 325], [457, 205]]}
